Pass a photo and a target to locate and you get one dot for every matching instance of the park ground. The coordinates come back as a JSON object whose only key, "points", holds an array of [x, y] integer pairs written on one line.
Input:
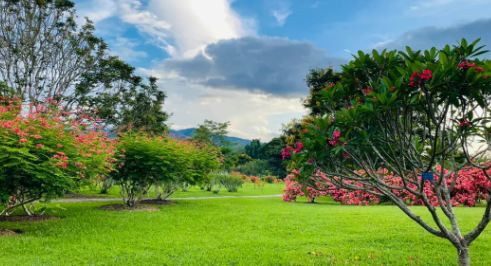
{"points": [[235, 231]]}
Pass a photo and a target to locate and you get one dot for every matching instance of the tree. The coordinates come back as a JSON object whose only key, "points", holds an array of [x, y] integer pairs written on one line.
{"points": [[256, 167], [272, 152], [253, 149], [146, 161], [243, 159], [43, 52], [47, 153], [414, 114], [121, 98], [316, 80], [212, 133]]}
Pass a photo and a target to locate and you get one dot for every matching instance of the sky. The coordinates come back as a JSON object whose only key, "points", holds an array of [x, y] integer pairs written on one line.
{"points": [[245, 61]]}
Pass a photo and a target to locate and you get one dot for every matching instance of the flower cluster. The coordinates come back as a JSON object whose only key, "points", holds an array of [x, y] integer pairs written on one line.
{"points": [[287, 151], [470, 187], [419, 78], [335, 138], [465, 123], [467, 65]]}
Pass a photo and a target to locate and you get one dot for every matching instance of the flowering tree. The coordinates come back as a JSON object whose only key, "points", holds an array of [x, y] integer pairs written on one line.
{"points": [[46, 153], [471, 186], [423, 116]]}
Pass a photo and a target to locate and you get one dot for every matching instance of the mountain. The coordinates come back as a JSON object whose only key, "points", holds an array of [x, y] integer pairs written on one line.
{"points": [[188, 132]]}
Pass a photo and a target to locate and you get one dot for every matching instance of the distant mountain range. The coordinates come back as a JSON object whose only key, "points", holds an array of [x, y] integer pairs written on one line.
{"points": [[188, 132]]}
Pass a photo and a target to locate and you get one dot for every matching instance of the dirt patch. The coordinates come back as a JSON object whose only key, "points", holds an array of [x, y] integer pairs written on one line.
{"points": [[7, 233], [158, 202], [25, 218], [81, 196], [121, 208]]}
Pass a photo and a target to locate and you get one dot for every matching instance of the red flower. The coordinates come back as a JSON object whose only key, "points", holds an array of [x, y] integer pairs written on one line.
{"points": [[287, 152], [465, 122], [463, 64]]}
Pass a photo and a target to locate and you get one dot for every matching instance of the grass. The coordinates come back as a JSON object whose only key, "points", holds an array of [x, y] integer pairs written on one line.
{"points": [[237, 231], [248, 189]]}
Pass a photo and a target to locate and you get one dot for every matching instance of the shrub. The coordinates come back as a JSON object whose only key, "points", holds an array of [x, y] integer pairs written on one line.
{"points": [[471, 186], [163, 190], [269, 179], [230, 182], [254, 167], [47, 152], [146, 160]]}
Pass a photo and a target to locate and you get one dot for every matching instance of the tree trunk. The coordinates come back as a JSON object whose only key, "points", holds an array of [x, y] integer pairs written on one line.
{"points": [[26, 210], [464, 259]]}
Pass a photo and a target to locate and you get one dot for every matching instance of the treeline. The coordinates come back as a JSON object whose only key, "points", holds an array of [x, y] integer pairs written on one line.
{"points": [[255, 159]]}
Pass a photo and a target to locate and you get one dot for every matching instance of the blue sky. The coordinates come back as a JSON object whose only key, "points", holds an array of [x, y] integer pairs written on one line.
{"points": [[244, 61]]}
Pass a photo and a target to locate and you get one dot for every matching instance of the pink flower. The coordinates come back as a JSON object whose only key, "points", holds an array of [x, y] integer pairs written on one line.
{"points": [[287, 152], [299, 146], [463, 64], [465, 122]]}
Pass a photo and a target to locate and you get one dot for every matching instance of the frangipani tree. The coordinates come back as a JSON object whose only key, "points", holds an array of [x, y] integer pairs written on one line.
{"points": [[404, 123]]}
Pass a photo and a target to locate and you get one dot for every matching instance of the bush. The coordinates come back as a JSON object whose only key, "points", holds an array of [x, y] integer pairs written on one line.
{"points": [[269, 179], [255, 167], [163, 190], [47, 153], [230, 182], [471, 186], [147, 160]]}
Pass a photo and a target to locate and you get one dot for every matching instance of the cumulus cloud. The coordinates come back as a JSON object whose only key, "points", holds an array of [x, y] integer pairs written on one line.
{"points": [[268, 65], [428, 37], [182, 28], [252, 115], [218, 68], [196, 23]]}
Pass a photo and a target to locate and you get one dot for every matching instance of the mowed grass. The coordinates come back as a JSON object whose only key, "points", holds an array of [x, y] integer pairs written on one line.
{"points": [[237, 231], [247, 189]]}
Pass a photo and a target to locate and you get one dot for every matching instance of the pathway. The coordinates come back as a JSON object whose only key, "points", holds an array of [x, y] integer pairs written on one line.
{"points": [[190, 198]]}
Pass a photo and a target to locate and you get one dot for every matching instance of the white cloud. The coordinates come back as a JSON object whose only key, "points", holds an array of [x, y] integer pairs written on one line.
{"points": [[251, 115], [281, 13], [196, 23], [183, 28], [123, 47], [96, 10]]}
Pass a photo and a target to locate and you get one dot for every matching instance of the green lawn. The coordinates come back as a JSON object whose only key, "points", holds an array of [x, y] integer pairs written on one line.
{"points": [[236, 231], [248, 189]]}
